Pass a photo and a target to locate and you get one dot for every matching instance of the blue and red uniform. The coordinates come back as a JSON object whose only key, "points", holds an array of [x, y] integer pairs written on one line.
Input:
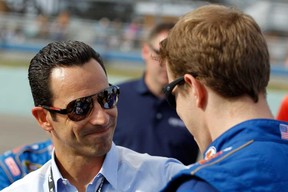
{"points": [[251, 156], [20, 161]]}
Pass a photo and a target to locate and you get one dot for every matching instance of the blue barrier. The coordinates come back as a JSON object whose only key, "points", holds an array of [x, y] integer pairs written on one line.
{"points": [[279, 70], [27, 47]]}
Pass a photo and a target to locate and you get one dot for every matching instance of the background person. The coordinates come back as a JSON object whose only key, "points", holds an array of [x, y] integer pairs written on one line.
{"points": [[146, 123], [76, 106], [218, 68]]}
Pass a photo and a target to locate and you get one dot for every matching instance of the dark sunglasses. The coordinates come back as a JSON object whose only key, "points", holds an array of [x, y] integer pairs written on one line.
{"points": [[167, 90], [80, 108]]}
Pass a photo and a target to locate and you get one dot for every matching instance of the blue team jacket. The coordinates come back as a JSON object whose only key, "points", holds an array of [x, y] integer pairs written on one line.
{"points": [[20, 161], [252, 156]]}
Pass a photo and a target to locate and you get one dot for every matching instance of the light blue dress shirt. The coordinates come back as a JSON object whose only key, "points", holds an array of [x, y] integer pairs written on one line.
{"points": [[123, 170]]}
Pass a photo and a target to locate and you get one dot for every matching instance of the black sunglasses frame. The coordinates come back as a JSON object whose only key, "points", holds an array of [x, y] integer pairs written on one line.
{"points": [[72, 112], [167, 90]]}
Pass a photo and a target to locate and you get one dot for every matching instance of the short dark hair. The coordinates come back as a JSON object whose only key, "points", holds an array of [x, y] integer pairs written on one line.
{"points": [[159, 28], [56, 54]]}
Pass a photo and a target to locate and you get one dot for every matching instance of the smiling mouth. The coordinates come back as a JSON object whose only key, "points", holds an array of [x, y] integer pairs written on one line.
{"points": [[96, 131]]}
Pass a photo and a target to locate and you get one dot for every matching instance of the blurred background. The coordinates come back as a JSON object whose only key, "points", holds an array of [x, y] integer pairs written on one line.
{"points": [[115, 29]]}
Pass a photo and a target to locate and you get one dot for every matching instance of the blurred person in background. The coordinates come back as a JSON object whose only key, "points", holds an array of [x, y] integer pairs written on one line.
{"points": [[282, 114], [77, 106], [146, 123], [218, 69], [59, 28]]}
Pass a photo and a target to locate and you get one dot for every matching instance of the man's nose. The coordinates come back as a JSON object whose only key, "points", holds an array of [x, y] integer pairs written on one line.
{"points": [[99, 116]]}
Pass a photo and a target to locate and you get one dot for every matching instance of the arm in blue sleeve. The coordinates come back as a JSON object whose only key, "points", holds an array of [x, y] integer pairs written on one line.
{"points": [[196, 184], [4, 177], [16, 163]]}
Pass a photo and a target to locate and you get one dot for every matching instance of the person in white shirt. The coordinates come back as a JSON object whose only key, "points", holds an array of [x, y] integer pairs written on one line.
{"points": [[76, 106]]}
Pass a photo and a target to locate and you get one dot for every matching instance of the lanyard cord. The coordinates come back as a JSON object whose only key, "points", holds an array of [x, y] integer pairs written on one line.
{"points": [[52, 186], [101, 185], [51, 181]]}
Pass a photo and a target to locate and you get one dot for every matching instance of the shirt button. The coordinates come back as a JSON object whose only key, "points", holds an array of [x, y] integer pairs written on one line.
{"points": [[158, 115], [64, 182]]}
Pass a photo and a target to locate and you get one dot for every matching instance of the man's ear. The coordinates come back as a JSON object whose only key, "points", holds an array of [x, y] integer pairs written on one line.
{"points": [[41, 116], [145, 51], [198, 90]]}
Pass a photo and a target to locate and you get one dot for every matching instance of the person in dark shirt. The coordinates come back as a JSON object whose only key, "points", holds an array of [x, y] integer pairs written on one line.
{"points": [[146, 123]]}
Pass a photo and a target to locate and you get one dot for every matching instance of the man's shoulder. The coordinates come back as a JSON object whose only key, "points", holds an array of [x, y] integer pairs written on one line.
{"points": [[138, 167], [22, 160], [188, 182], [33, 181], [130, 157]]}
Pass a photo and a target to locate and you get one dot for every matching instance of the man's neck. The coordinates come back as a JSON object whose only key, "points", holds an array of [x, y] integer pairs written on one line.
{"points": [[224, 114], [154, 88], [79, 170]]}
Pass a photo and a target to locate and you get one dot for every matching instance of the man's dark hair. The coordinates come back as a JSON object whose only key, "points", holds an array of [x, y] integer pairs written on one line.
{"points": [[56, 54], [160, 27]]}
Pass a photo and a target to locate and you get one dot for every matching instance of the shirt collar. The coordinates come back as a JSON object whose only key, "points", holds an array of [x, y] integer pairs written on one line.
{"points": [[110, 166], [56, 173], [141, 86], [108, 169]]}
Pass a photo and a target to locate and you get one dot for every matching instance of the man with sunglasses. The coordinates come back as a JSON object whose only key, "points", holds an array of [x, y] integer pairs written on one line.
{"points": [[147, 124], [76, 106], [218, 68]]}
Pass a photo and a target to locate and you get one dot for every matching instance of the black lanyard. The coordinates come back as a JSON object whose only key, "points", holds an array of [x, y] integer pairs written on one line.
{"points": [[52, 186], [101, 185], [51, 181]]}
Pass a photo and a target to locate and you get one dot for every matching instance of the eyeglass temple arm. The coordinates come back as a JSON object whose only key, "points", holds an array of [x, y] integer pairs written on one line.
{"points": [[54, 109]]}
